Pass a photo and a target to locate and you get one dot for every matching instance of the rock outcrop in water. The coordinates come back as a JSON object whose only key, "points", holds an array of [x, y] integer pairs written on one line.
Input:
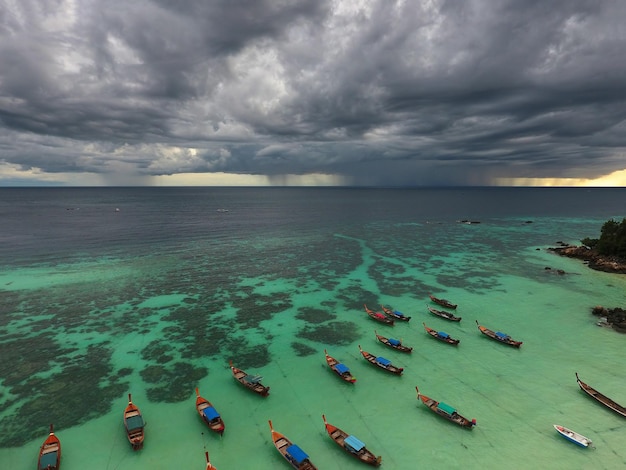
{"points": [[609, 264], [614, 317]]}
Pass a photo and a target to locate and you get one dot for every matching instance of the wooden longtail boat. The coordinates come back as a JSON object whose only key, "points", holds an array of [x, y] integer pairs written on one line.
{"points": [[209, 414], [134, 424], [498, 336], [379, 317], [393, 343], [573, 436], [381, 362], [441, 336], [443, 314], [351, 445], [338, 368], [293, 454], [443, 302], [209, 465], [50, 452], [395, 314], [251, 382], [606, 401], [446, 411]]}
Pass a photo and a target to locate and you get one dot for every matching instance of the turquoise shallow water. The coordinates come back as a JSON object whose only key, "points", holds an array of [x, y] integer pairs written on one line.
{"points": [[82, 328]]}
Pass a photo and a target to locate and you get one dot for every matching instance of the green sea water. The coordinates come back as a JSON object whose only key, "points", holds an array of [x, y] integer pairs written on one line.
{"points": [[81, 332]]}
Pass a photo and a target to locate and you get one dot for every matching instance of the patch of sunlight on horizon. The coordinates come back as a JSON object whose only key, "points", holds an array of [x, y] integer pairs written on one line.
{"points": [[615, 179]]}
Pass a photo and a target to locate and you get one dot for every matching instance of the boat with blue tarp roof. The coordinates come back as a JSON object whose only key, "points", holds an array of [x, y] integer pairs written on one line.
{"points": [[498, 336], [441, 335], [351, 444], [209, 414], [381, 362], [395, 314], [446, 411], [342, 370], [296, 457], [393, 343]]}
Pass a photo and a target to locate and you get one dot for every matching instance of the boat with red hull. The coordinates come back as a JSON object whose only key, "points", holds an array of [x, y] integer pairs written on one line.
{"points": [[50, 452], [379, 317], [209, 414]]}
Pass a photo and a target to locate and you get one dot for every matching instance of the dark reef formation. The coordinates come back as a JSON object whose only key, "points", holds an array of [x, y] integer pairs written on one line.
{"points": [[614, 317]]}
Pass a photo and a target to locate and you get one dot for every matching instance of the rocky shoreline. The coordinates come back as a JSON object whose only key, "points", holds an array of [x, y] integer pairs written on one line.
{"points": [[608, 264]]}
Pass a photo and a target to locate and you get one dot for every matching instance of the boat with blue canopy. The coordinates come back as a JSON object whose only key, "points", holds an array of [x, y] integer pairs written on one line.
{"points": [[395, 314], [339, 368], [498, 336], [393, 343], [50, 452], [441, 335], [209, 414], [446, 411], [381, 362], [292, 453], [351, 444]]}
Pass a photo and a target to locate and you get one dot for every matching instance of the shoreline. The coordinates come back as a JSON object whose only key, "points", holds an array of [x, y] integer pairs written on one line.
{"points": [[608, 264]]}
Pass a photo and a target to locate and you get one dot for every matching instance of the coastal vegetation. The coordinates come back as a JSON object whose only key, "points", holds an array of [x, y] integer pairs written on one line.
{"points": [[612, 241]]}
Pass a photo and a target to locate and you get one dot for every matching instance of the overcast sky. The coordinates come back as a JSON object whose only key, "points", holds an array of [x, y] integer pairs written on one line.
{"points": [[372, 92]]}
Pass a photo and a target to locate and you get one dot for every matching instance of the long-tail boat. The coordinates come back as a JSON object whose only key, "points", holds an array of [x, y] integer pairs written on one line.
{"points": [[446, 411], [606, 401], [443, 302], [393, 343], [381, 362], [134, 424], [499, 336], [351, 444], [395, 314], [209, 414], [50, 452], [338, 368], [209, 465], [441, 335], [573, 436], [379, 317], [443, 314], [293, 454], [251, 382]]}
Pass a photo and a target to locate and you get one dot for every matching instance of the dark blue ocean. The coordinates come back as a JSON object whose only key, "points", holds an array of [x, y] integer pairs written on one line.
{"points": [[151, 291]]}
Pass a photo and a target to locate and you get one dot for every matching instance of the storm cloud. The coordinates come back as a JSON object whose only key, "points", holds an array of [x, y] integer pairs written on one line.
{"points": [[375, 92]]}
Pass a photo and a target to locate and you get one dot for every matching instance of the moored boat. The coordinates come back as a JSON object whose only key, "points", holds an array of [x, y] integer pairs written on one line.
{"points": [[293, 454], [443, 314], [381, 362], [134, 425], [209, 465], [441, 335], [379, 317], [338, 368], [573, 436], [499, 336], [251, 382], [209, 414], [393, 343], [606, 401], [443, 302], [395, 314], [351, 444], [50, 452], [446, 411]]}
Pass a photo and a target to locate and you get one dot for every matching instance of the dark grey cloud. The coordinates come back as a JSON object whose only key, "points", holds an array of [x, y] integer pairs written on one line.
{"points": [[378, 91]]}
